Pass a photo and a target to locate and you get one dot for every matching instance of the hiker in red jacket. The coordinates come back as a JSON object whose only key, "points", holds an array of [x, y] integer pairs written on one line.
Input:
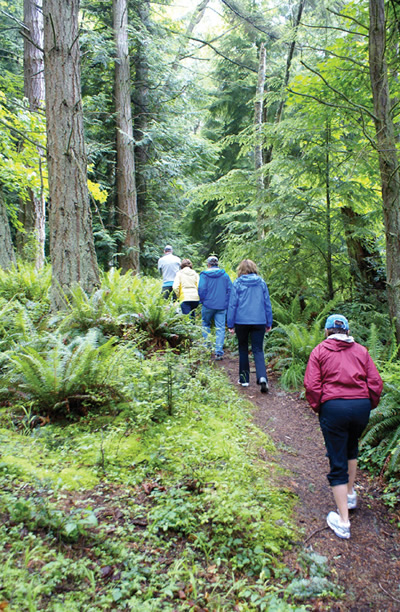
{"points": [[342, 386]]}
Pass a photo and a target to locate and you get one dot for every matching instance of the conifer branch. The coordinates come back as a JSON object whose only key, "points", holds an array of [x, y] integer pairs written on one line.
{"points": [[358, 107]]}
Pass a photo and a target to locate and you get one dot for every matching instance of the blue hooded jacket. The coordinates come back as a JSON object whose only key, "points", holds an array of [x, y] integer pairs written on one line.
{"points": [[249, 303], [214, 288]]}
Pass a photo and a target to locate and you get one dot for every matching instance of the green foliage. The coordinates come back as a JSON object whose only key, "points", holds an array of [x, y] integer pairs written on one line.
{"points": [[25, 283], [63, 379], [288, 349], [181, 504], [315, 581], [381, 441], [38, 513], [127, 306]]}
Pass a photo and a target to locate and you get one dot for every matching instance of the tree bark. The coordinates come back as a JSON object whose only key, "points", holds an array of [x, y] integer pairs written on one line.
{"points": [[125, 170], [258, 118], [388, 158], [141, 110], [7, 255], [32, 213], [328, 212], [365, 261], [72, 251]]}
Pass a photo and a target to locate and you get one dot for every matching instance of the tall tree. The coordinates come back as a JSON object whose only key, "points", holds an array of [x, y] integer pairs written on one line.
{"points": [[7, 255], [33, 207], [141, 107], [125, 171], [72, 251], [387, 153]]}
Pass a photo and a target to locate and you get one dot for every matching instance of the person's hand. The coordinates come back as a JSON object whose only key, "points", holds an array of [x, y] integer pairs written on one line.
{"points": [[231, 329], [268, 329]]}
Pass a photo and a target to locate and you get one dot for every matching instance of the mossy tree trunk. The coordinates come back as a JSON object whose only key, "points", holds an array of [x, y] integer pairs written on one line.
{"points": [[387, 153], [72, 250], [125, 171], [32, 211], [7, 255]]}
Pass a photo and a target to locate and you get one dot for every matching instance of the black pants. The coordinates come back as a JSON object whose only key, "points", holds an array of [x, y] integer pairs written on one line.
{"points": [[189, 307], [342, 422], [166, 292], [256, 333]]}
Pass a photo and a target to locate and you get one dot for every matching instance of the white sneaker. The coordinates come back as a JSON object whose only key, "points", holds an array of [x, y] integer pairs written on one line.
{"points": [[342, 530], [244, 384], [352, 500]]}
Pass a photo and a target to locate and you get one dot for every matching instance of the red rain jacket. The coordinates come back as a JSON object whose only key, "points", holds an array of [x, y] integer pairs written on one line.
{"points": [[340, 369]]}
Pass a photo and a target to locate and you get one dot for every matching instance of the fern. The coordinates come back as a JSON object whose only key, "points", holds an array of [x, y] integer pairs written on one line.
{"points": [[26, 283], [374, 345], [383, 431], [66, 377]]}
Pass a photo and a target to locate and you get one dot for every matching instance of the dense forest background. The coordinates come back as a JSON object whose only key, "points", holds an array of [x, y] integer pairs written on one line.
{"points": [[244, 129], [130, 468]]}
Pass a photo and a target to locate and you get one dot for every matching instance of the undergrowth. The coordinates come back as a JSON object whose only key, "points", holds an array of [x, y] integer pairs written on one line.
{"points": [[144, 515]]}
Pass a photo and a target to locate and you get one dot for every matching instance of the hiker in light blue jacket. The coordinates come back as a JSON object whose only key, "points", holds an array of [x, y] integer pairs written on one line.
{"points": [[250, 314]]}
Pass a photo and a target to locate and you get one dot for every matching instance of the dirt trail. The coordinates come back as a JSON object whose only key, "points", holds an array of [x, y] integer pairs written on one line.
{"points": [[368, 565]]}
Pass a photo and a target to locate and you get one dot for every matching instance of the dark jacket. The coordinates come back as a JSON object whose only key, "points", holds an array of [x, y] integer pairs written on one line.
{"points": [[341, 369], [249, 303], [214, 288]]}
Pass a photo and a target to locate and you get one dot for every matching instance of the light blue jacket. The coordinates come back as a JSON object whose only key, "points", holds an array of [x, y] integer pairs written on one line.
{"points": [[249, 302]]}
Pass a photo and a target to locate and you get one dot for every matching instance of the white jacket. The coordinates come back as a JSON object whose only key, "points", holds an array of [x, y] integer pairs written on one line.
{"points": [[185, 285]]}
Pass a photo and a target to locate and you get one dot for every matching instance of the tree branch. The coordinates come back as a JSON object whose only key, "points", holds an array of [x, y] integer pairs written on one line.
{"points": [[330, 104], [348, 17], [359, 107], [343, 57], [23, 136], [322, 27], [246, 18], [208, 44]]}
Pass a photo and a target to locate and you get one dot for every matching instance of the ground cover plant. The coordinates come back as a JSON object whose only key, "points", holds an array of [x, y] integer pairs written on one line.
{"points": [[131, 477], [105, 514]]}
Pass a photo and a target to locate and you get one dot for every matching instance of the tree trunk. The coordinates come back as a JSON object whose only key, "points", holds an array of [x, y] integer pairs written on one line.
{"points": [[365, 260], [72, 251], [328, 213], [195, 19], [258, 118], [125, 171], [32, 214], [388, 159], [7, 255], [141, 109], [289, 59]]}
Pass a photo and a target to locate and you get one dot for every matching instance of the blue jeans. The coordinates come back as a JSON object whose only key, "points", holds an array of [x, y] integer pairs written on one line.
{"points": [[256, 333], [219, 316]]}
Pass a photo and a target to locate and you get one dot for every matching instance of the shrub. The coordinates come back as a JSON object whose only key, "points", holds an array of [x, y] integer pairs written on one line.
{"points": [[383, 432], [65, 378], [25, 283], [130, 307]]}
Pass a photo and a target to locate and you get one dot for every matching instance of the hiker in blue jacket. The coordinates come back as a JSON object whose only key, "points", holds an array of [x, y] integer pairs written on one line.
{"points": [[250, 314], [214, 289]]}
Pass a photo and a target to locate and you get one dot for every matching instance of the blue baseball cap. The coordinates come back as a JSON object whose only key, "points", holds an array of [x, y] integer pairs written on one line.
{"points": [[337, 321]]}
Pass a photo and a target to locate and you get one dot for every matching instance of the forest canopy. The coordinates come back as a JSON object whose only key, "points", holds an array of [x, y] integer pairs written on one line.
{"points": [[245, 129]]}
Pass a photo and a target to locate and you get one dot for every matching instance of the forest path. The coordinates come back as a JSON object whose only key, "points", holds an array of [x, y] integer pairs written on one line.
{"points": [[367, 566]]}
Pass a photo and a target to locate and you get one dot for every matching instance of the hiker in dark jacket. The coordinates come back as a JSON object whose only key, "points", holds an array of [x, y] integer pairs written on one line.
{"points": [[214, 289], [342, 386], [250, 314]]}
